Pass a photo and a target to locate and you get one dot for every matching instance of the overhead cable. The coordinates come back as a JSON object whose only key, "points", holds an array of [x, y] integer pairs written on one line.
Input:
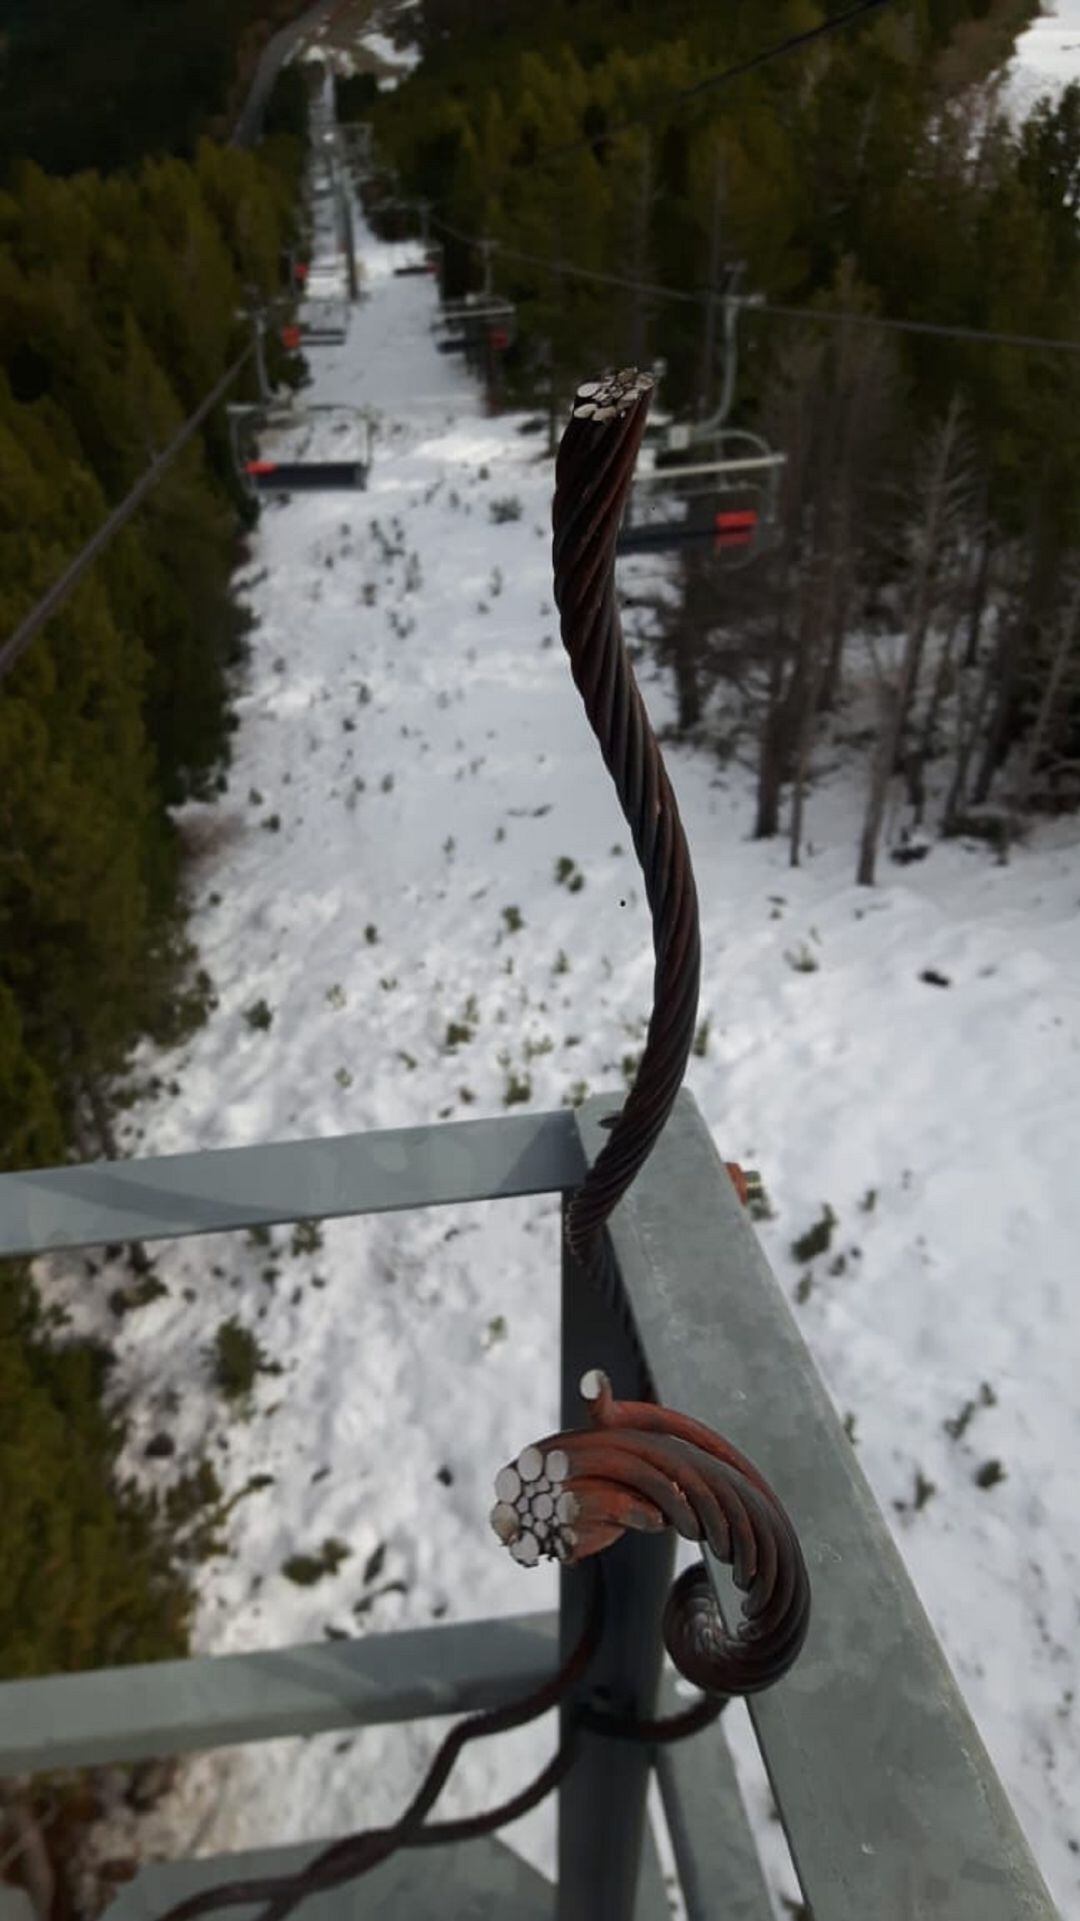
{"points": [[684, 295], [73, 573]]}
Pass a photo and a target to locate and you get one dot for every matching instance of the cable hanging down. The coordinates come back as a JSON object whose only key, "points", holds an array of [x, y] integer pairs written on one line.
{"points": [[640, 1465], [594, 472]]}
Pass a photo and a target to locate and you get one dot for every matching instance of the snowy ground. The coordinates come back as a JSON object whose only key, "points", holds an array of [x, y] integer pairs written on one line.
{"points": [[361, 36], [1047, 56], [412, 763]]}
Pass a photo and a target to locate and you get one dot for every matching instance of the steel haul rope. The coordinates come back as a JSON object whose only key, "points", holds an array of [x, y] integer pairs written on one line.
{"points": [[593, 475], [640, 1465], [121, 514]]}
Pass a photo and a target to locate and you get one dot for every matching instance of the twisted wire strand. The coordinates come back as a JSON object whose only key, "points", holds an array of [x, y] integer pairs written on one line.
{"points": [[593, 475], [642, 1466], [357, 1853], [346, 1859]]}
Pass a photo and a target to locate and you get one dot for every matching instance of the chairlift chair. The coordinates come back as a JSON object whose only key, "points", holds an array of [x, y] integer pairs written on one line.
{"points": [[324, 322], [260, 472], [474, 314], [727, 477], [483, 337], [305, 476], [430, 262], [731, 501]]}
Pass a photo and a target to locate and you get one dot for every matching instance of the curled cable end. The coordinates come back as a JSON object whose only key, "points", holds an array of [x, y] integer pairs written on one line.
{"points": [[644, 1467], [722, 1662]]}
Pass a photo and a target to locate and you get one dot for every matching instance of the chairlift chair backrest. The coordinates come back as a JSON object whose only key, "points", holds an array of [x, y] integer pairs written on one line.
{"points": [[472, 317], [730, 501]]}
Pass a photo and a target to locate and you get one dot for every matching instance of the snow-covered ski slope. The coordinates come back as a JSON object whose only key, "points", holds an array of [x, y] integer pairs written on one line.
{"points": [[412, 763], [1047, 57]]}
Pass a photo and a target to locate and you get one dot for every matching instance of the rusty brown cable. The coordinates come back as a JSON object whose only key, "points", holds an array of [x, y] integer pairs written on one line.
{"points": [[736, 1511], [593, 476]]}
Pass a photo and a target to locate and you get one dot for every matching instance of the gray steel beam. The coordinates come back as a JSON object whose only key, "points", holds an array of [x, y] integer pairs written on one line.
{"points": [[163, 1708], [650, 1900], [227, 1188], [700, 1792], [602, 1801], [888, 1797], [478, 1880]]}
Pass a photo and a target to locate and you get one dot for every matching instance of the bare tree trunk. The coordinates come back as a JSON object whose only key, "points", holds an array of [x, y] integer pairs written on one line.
{"points": [[935, 534], [921, 754], [688, 640], [966, 739], [842, 595], [708, 343], [817, 581], [978, 604], [1059, 660], [1011, 649], [1007, 664], [815, 662], [640, 258], [979, 587], [771, 757], [896, 702], [554, 367], [884, 760]]}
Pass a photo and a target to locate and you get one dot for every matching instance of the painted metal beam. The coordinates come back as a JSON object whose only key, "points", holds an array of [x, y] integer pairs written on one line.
{"points": [[162, 1708], [607, 1868], [888, 1797], [479, 1880], [224, 1189], [700, 1792]]}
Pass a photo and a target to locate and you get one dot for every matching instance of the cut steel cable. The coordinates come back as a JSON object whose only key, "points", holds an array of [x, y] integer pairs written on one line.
{"points": [[642, 1466], [593, 474]]}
